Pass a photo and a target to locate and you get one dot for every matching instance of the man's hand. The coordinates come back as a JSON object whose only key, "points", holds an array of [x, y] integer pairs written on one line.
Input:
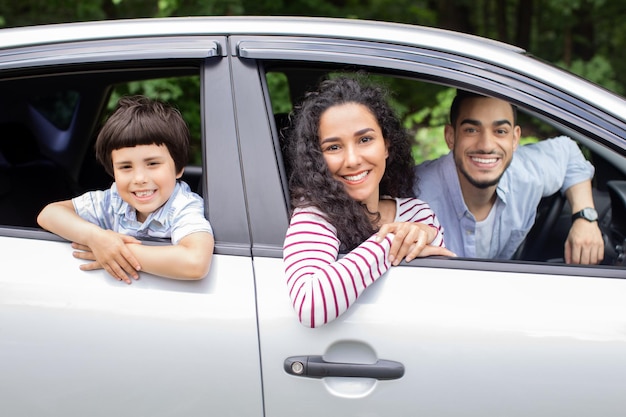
{"points": [[108, 250], [411, 240], [584, 244]]}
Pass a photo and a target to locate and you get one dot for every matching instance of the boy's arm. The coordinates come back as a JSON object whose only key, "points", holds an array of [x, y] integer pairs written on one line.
{"points": [[190, 259], [109, 248]]}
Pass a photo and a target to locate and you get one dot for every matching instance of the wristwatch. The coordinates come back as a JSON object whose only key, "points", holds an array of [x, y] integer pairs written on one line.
{"points": [[588, 213]]}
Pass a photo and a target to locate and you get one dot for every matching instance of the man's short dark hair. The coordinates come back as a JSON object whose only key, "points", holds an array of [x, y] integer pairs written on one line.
{"points": [[139, 120], [461, 96]]}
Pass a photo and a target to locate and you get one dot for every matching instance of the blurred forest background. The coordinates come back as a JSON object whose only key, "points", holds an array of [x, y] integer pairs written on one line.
{"points": [[586, 37]]}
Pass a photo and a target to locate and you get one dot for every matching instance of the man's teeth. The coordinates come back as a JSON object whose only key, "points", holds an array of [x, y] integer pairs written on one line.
{"points": [[356, 177], [485, 160], [144, 193]]}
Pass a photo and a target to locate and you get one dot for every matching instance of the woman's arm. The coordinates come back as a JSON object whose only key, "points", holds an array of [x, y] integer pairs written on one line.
{"points": [[416, 232], [321, 287]]}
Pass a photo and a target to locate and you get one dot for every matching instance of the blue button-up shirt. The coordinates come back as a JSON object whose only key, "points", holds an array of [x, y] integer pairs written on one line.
{"points": [[181, 215], [537, 170]]}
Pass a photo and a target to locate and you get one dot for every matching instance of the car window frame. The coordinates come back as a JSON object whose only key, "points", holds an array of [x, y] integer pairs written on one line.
{"points": [[444, 69]]}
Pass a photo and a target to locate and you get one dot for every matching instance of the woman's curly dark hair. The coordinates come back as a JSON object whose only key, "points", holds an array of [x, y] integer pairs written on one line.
{"points": [[310, 181]]}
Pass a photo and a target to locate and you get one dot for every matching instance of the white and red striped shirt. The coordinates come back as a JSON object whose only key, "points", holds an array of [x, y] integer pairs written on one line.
{"points": [[320, 286]]}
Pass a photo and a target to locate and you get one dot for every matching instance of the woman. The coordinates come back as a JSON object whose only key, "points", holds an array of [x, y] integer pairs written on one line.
{"points": [[352, 191]]}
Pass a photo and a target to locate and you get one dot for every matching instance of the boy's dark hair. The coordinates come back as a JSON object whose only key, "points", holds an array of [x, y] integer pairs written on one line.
{"points": [[312, 184], [139, 120], [461, 96]]}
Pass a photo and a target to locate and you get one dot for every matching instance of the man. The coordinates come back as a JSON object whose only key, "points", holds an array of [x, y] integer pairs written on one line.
{"points": [[486, 190]]}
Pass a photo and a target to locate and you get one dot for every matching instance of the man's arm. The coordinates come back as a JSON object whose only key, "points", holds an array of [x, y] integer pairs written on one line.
{"points": [[584, 244]]}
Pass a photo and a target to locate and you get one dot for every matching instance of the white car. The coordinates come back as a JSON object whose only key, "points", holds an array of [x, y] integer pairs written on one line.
{"points": [[435, 337]]}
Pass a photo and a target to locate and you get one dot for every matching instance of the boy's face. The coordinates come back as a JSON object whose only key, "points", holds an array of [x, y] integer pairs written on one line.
{"points": [[145, 176]]}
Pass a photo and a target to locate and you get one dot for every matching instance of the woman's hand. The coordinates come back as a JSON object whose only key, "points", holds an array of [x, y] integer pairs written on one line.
{"points": [[411, 240]]}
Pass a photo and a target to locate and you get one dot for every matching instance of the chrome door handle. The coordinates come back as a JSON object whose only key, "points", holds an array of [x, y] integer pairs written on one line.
{"points": [[317, 367]]}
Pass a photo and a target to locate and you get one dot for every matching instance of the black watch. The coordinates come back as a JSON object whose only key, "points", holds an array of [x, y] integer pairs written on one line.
{"points": [[588, 213]]}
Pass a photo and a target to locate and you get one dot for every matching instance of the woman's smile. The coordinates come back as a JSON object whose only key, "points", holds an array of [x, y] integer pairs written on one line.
{"points": [[356, 177]]}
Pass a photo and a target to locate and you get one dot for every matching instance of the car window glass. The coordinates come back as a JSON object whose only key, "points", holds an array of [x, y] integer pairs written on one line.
{"points": [[58, 107]]}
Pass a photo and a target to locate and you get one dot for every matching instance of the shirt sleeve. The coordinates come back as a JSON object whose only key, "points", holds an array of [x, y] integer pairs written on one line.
{"points": [[320, 286], [418, 211], [92, 206], [189, 218], [557, 163]]}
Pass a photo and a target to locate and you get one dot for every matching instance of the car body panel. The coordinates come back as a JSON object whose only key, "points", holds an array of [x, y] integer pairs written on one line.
{"points": [[78, 343], [477, 343]]}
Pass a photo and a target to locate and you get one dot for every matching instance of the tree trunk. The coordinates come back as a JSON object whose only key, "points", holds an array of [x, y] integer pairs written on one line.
{"points": [[525, 11]]}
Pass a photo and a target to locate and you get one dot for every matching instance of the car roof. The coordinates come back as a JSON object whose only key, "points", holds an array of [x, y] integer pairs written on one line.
{"points": [[396, 33]]}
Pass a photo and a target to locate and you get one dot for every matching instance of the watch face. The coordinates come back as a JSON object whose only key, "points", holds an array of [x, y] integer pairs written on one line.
{"points": [[590, 214]]}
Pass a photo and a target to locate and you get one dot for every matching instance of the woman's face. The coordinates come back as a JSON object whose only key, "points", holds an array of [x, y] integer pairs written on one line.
{"points": [[355, 150]]}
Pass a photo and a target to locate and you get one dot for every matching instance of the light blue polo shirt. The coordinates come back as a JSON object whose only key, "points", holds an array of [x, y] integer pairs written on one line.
{"points": [[181, 215], [537, 170]]}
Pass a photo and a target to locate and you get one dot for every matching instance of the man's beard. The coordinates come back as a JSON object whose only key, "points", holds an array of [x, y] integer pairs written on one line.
{"points": [[482, 184]]}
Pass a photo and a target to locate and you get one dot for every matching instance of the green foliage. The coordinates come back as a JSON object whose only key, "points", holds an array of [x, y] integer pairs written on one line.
{"points": [[279, 91], [598, 70], [427, 125]]}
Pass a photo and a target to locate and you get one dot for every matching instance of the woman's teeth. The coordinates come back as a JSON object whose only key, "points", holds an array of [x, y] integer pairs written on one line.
{"points": [[356, 177]]}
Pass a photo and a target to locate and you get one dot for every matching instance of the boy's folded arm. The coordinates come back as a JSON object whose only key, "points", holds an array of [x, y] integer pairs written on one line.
{"points": [[190, 259], [61, 219], [108, 248]]}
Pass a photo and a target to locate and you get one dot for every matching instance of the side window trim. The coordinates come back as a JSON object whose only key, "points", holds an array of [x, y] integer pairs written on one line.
{"points": [[116, 50]]}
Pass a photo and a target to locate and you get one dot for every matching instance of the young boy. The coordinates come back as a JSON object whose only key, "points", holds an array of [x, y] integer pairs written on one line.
{"points": [[144, 146]]}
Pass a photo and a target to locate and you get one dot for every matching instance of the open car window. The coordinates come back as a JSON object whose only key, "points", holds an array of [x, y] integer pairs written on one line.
{"points": [[423, 106], [49, 124]]}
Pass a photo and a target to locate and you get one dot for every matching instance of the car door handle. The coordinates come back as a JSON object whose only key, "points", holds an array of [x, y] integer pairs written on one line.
{"points": [[317, 367]]}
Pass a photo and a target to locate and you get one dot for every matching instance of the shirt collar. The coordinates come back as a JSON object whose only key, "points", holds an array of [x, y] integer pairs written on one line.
{"points": [[452, 177]]}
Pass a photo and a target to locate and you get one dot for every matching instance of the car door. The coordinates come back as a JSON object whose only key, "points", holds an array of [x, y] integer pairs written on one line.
{"points": [[436, 337], [77, 343]]}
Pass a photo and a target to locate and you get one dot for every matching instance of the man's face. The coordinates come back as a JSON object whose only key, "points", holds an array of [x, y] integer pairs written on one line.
{"points": [[483, 141]]}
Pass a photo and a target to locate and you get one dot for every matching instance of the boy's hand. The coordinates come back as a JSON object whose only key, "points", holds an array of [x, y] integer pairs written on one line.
{"points": [[108, 250], [411, 239]]}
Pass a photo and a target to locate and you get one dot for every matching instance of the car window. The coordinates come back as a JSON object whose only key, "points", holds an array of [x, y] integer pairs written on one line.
{"points": [[423, 106], [49, 128]]}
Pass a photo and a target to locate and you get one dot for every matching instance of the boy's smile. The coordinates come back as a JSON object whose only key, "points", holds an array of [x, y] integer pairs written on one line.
{"points": [[145, 176]]}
